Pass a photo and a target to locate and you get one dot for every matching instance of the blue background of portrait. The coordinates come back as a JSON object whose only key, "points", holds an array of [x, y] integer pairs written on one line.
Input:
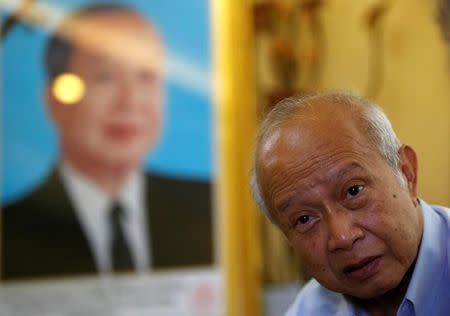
{"points": [[29, 143]]}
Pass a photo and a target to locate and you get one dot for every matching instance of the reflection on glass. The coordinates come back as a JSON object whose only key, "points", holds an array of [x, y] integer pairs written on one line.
{"points": [[68, 88]]}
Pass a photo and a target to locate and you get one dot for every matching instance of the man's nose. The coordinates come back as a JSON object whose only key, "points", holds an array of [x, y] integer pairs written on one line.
{"points": [[342, 230], [129, 94]]}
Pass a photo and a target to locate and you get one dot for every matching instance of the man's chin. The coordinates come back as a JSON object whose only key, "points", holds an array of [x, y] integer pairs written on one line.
{"points": [[368, 291], [124, 157], [123, 164], [365, 295]]}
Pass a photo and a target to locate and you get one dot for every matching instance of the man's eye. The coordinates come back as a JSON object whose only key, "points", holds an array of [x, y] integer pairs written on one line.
{"points": [[303, 219], [354, 190], [305, 222]]}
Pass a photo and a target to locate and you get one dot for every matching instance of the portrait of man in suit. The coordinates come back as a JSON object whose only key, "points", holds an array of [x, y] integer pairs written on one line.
{"points": [[99, 211]]}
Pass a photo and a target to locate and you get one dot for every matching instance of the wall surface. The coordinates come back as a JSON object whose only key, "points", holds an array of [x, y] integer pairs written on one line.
{"points": [[406, 50]]}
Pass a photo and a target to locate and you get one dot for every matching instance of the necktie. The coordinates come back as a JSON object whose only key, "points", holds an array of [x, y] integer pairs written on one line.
{"points": [[120, 253]]}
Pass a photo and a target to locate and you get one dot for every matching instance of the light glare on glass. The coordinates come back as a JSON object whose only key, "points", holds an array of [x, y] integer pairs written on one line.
{"points": [[68, 88]]}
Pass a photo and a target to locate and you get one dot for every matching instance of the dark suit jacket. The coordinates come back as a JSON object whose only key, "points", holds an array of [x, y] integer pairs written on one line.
{"points": [[42, 237]]}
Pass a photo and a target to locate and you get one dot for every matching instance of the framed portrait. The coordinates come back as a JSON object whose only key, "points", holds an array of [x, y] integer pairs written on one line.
{"points": [[108, 166]]}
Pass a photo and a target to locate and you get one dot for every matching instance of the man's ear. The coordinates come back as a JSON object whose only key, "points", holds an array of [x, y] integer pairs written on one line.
{"points": [[408, 165]]}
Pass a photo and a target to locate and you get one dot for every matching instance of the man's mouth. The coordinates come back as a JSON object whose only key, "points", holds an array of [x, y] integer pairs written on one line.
{"points": [[122, 132], [362, 269]]}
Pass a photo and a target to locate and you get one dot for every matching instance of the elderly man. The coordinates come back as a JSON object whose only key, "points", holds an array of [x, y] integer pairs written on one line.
{"points": [[331, 174], [99, 211]]}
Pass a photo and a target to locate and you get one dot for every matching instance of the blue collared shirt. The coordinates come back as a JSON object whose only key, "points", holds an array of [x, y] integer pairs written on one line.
{"points": [[428, 290]]}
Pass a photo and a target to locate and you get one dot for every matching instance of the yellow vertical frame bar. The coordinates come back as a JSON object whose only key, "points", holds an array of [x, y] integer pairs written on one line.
{"points": [[239, 220]]}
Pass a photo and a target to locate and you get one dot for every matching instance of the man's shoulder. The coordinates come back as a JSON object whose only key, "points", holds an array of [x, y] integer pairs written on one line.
{"points": [[47, 197], [163, 180], [189, 202], [37, 195], [314, 299], [444, 212], [444, 216], [169, 189]]}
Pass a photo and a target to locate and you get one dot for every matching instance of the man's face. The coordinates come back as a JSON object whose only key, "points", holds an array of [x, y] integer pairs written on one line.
{"points": [[340, 204], [118, 120]]}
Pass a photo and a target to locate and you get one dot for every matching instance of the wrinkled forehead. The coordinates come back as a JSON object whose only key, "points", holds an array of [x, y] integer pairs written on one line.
{"points": [[316, 122], [319, 131], [122, 36]]}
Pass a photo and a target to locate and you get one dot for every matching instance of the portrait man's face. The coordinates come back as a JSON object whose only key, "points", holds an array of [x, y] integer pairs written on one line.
{"points": [[340, 204], [119, 58]]}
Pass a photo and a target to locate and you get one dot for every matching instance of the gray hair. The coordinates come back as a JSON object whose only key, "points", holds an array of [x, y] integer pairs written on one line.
{"points": [[370, 117]]}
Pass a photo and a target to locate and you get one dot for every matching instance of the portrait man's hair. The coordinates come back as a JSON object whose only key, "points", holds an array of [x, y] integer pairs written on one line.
{"points": [[60, 45]]}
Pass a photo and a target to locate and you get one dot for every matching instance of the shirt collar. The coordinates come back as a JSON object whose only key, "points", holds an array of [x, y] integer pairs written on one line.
{"points": [[430, 260], [84, 194], [132, 193], [88, 197]]}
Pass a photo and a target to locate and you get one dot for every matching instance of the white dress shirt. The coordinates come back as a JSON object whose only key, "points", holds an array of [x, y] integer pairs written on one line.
{"points": [[92, 206]]}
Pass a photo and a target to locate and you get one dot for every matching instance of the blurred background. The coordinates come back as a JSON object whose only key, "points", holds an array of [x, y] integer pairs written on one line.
{"points": [[230, 61], [394, 52]]}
